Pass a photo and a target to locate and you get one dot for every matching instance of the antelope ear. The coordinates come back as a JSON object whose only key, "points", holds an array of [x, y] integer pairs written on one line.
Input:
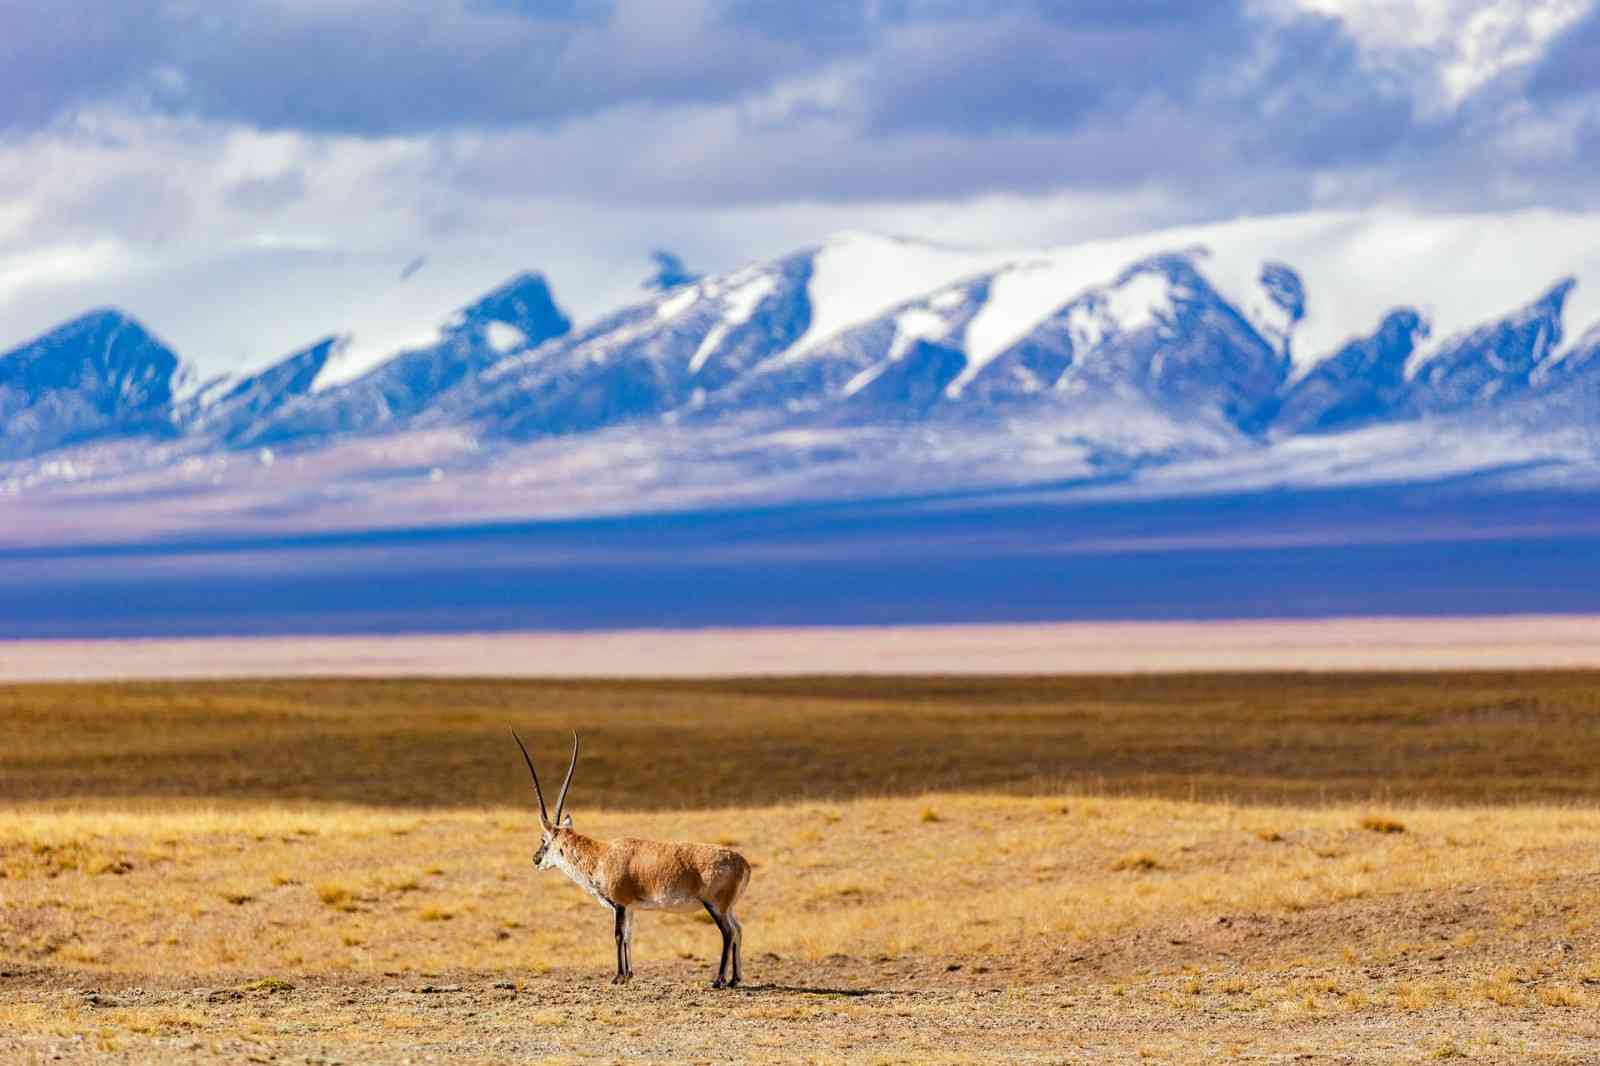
{"points": [[566, 821]]}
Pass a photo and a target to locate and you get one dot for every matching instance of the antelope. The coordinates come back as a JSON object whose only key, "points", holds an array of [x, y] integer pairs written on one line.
{"points": [[627, 875]]}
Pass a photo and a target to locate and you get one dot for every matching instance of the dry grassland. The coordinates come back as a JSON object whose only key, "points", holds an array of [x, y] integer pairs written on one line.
{"points": [[1397, 869], [1472, 738]]}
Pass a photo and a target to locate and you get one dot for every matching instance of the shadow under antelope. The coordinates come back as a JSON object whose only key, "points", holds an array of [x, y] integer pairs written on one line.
{"points": [[628, 875]]}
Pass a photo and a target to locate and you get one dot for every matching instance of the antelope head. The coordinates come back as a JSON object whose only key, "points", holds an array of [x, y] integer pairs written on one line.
{"points": [[550, 829]]}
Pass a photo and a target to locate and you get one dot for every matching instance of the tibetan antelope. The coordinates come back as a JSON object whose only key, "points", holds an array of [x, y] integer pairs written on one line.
{"points": [[628, 875]]}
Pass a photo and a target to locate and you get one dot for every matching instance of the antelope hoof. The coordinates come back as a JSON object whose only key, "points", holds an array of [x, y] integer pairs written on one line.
{"points": [[620, 979], [734, 982], [718, 983]]}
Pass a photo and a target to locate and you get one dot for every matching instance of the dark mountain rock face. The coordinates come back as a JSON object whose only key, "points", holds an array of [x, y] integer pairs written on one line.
{"points": [[233, 412], [101, 374], [1285, 288], [1362, 382], [913, 383], [1494, 361], [524, 302], [670, 273], [1581, 362]]}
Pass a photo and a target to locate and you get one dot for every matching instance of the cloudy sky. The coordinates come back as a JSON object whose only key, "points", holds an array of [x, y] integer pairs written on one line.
{"points": [[245, 175]]}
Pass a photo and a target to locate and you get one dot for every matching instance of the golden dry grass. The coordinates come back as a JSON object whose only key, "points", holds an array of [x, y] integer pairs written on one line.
{"points": [[1480, 914], [948, 924], [275, 889]]}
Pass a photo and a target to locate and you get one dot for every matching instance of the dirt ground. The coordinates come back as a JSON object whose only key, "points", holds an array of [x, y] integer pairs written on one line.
{"points": [[837, 1010]]}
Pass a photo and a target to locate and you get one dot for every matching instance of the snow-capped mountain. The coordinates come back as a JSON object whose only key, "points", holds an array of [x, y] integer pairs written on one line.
{"points": [[1363, 381], [646, 360], [1159, 333], [1291, 350], [519, 315]]}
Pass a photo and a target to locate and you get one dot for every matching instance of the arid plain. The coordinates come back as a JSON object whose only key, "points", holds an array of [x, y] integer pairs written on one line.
{"points": [[1318, 867]]}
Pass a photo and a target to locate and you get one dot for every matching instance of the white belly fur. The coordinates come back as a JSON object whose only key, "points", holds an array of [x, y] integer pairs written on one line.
{"points": [[671, 903]]}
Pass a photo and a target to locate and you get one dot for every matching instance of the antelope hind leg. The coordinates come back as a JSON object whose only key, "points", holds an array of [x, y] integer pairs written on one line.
{"points": [[727, 944]]}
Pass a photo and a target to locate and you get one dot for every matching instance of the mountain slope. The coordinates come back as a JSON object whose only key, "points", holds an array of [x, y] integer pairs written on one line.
{"points": [[647, 359], [1363, 382], [102, 374], [1159, 333], [518, 315], [230, 411], [893, 364], [1494, 361]]}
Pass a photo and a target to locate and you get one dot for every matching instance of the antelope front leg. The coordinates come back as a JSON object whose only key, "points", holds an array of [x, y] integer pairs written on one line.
{"points": [[627, 947], [622, 945]]}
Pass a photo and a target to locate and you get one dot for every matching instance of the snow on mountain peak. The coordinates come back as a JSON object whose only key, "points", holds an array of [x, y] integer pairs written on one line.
{"points": [[517, 312], [744, 295], [678, 301], [503, 337], [362, 352], [857, 276]]}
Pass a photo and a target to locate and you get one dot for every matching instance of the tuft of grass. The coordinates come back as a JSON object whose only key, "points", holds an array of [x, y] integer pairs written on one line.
{"points": [[930, 815], [1137, 862], [165, 1021], [1561, 996], [1377, 823], [1411, 996], [269, 984], [336, 896], [435, 914], [1501, 990]]}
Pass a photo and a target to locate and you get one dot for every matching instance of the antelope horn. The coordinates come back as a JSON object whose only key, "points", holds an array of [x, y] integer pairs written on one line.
{"points": [[544, 815], [561, 800]]}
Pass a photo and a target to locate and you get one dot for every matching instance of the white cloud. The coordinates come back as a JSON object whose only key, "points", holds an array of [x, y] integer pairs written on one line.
{"points": [[1472, 41], [23, 274], [240, 245]]}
